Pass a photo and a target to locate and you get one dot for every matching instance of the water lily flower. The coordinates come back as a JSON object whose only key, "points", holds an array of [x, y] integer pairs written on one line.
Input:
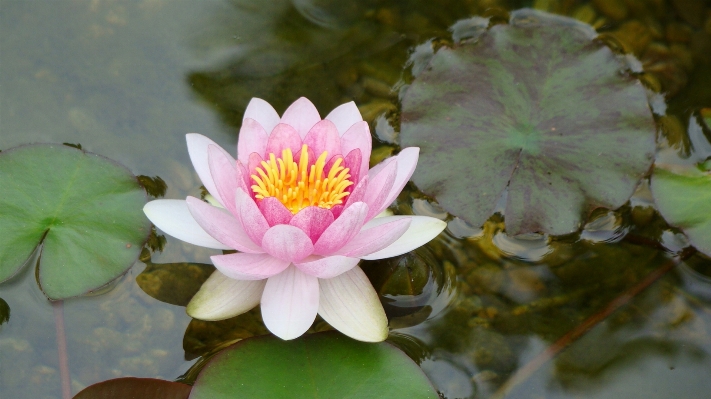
{"points": [[299, 204]]}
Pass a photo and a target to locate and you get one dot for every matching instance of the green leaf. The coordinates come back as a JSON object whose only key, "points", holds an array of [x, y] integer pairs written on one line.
{"points": [[130, 387], [684, 200], [85, 211], [323, 365], [537, 108]]}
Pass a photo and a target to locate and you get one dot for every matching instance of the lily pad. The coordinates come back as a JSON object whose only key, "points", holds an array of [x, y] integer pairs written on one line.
{"points": [[684, 200], [131, 387], [323, 365], [83, 209], [536, 110]]}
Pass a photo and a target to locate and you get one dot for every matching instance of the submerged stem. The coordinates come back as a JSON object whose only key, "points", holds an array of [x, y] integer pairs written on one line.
{"points": [[58, 308], [563, 342]]}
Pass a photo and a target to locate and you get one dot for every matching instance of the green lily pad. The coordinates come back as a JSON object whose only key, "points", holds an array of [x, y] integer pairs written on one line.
{"points": [[684, 200], [131, 387], [85, 211], [537, 110], [323, 365]]}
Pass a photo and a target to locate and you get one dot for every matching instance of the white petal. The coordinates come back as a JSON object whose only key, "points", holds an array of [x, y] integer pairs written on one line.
{"points": [[198, 150], [290, 303], [174, 218], [221, 297], [406, 163], [344, 116], [327, 267], [421, 231], [262, 112], [350, 304]]}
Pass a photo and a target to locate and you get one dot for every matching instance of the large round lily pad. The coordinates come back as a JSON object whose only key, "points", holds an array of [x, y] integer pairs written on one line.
{"points": [[538, 108], [323, 365], [84, 209], [684, 199]]}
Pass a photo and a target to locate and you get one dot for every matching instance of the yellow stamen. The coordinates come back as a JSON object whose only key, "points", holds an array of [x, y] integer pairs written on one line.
{"points": [[298, 185]]}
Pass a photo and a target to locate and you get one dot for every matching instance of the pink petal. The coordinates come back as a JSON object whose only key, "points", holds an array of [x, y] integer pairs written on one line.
{"points": [[350, 304], [312, 220], [252, 220], [252, 138], [358, 136], [344, 116], [274, 211], [379, 187], [406, 163], [242, 266], [221, 297], [342, 229], [221, 225], [197, 148], [174, 218], [421, 231], [374, 239], [377, 168], [263, 113], [287, 242], [323, 136], [302, 115], [282, 137], [290, 303], [247, 181], [336, 210], [358, 192], [225, 176], [352, 161], [328, 267]]}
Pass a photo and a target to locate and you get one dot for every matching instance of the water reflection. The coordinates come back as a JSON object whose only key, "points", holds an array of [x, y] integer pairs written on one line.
{"points": [[606, 227], [4, 312]]}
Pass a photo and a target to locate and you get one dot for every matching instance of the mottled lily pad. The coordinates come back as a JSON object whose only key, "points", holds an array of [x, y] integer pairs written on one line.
{"points": [[131, 387], [323, 365], [684, 200], [83, 209], [536, 108]]}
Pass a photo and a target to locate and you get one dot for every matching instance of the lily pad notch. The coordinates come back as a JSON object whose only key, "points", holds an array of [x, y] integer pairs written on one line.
{"points": [[537, 110], [83, 211]]}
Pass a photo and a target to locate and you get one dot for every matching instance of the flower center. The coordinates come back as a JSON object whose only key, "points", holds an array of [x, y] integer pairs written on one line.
{"points": [[300, 185]]}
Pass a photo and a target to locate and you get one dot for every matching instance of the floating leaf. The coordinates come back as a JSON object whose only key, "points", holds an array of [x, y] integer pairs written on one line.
{"points": [[4, 312], [536, 107], [685, 202], [323, 365], [173, 283], [85, 211], [131, 387]]}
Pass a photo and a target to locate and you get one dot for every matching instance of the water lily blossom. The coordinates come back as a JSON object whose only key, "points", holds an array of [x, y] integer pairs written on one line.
{"points": [[299, 204]]}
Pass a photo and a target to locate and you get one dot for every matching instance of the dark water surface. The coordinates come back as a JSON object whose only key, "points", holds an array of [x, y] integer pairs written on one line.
{"points": [[476, 308]]}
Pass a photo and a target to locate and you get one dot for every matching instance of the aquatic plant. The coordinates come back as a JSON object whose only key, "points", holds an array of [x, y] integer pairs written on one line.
{"points": [[300, 204]]}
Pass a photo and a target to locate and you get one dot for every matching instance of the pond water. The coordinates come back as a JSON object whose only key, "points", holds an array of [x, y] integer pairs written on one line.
{"points": [[605, 313]]}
